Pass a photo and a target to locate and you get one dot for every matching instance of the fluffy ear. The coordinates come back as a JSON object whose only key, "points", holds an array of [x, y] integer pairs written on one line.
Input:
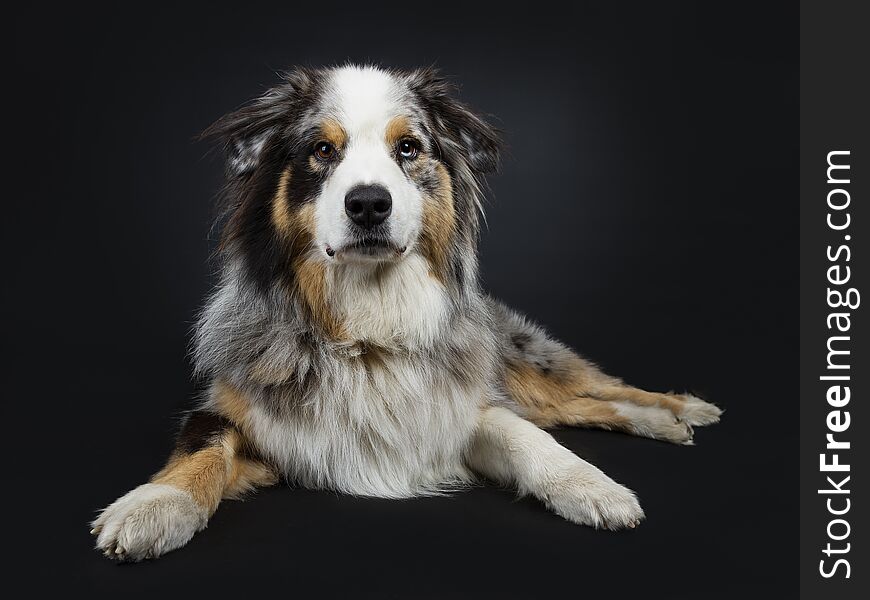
{"points": [[474, 138], [243, 153], [247, 132]]}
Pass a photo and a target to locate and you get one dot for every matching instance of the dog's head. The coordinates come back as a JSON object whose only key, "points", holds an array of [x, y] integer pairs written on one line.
{"points": [[355, 166]]}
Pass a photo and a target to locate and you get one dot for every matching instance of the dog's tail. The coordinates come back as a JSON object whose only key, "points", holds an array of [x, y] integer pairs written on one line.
{"points": [[550, 385]]}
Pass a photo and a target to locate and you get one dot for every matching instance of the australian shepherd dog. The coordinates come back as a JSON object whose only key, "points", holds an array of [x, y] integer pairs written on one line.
{"points": [[349, 346]]}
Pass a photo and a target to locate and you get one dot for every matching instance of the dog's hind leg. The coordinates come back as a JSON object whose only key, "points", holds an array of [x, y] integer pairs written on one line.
{"points": [[687, 407], [551, 385], [210, 462], [552, 399]]}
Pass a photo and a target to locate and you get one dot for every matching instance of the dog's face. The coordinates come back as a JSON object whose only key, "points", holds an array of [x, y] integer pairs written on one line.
{"points": [[355, 165], [378, 168]]}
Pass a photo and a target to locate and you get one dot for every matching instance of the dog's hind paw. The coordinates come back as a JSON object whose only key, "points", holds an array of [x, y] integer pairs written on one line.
{"points": [[151, 520], [698, 412], [656, 423]]}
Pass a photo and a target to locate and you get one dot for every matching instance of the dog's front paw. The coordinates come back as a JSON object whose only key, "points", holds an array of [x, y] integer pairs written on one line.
{"points": [[599, 502], [149, 521], [698, 412]]}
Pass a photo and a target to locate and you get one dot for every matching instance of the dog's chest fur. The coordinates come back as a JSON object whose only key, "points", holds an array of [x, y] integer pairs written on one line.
{"points": [[373, 425], [387, 416]]}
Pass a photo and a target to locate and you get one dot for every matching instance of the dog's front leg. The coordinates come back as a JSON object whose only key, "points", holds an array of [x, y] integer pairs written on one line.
{"points": [[511, 450], [210, 462]]}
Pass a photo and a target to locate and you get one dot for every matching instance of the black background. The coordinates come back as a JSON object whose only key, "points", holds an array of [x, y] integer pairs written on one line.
{"points": [[645, 213]]}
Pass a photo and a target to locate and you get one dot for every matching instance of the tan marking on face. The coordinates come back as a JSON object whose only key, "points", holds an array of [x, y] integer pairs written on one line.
{"points": [[280, 204], [295, 224], [302, 228], [439, 223], [397, 128], [333, 132], [298, 228]]}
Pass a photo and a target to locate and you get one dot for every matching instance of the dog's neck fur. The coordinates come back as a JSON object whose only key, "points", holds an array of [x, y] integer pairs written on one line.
{"points": [[398, 308], [389, 305]]}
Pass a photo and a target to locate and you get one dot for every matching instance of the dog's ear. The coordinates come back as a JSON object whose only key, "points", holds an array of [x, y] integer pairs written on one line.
{"points": [[473, 137], [248, 132]]}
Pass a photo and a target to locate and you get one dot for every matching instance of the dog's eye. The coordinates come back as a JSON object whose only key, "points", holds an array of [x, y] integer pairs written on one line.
{"points": [[407, 150], [324, 151]]}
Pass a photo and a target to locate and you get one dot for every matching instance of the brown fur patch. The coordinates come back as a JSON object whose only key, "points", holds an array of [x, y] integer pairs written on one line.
{"points": [[246, 473], [397, 128], [298, 229], [295, 225], [311, 283], [302, 227], [281, 206], [202, 474], [222, 469], [246, 476], [333, 132], [550, 400], [231, 403], [439, 223]]}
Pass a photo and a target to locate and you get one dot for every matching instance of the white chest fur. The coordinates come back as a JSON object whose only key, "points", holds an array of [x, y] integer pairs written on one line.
{"points": [[388, 427], [388, 423]]}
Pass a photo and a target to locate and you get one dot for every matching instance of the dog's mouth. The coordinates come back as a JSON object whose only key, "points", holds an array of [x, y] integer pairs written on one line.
{"points": [[372, 248]]}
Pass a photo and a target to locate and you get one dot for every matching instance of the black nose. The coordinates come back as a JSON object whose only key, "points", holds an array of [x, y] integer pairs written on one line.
{"points": [[368, 205]]}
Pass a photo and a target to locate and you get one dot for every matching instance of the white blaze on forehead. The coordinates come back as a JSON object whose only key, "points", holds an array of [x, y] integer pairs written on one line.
{"points": [[365, 99]]}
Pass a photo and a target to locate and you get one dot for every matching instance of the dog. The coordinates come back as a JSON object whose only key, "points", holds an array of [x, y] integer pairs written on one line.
{"points": [[349, 346]]}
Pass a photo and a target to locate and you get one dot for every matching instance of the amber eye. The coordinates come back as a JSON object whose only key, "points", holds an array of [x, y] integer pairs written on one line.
{"points": [[407, 149], [324, 151]]}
